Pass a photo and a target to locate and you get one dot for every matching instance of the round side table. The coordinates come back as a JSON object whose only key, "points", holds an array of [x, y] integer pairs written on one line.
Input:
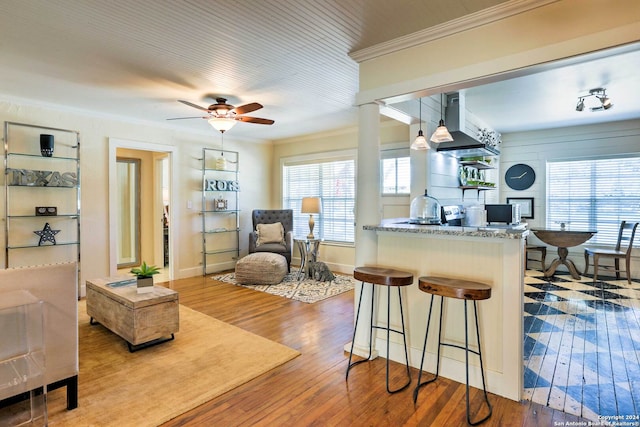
{"points": [[308, 249]]}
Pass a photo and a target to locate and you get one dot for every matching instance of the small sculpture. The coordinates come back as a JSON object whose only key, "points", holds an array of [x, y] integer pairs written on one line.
{"points": [[47, 235], [320, 272]]}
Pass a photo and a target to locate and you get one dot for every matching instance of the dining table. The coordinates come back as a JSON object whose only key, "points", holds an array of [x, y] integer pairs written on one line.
{"points": [[563, 239]]}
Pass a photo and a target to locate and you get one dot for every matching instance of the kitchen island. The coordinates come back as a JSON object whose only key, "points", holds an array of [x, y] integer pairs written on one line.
{"points": [[494, 256]]}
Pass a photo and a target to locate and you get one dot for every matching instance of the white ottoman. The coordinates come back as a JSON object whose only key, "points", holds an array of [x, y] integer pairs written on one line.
{"points": [[261, 268]]}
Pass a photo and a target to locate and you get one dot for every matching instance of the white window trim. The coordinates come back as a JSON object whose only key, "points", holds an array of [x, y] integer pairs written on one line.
{"points": [[348, 154]]}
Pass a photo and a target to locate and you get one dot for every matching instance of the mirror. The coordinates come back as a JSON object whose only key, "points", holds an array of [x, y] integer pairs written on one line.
{"points": [[128, 208]]}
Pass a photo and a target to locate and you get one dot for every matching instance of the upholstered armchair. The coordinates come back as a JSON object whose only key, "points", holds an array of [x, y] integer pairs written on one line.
{"points": [[283, 247]]}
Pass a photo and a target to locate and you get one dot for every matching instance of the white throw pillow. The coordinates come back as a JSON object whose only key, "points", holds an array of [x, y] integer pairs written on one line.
{"points": [[270, 233]]}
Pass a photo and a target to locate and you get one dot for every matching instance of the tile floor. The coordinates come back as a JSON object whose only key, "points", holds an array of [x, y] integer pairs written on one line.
{"points": [[582, 344]]}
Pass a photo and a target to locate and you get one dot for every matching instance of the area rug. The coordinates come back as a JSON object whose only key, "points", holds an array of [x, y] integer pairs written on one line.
{"points": [[307, 290], [117, 388]]}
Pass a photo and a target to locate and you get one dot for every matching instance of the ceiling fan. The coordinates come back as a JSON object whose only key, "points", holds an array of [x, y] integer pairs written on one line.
{"points": [[223, 116]]}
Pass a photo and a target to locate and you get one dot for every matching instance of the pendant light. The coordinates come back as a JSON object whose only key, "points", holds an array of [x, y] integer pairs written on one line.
{"points": [[442, 133], [420, 143]]}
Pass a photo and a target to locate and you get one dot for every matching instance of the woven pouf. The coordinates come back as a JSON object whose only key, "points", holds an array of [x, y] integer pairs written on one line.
{"points": [[261, 268]]}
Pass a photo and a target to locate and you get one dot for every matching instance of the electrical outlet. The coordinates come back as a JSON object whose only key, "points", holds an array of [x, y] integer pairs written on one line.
{"points": [[189, 204]]}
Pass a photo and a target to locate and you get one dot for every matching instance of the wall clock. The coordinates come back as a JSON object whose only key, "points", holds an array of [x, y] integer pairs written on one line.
{"points": [[520, 176]]}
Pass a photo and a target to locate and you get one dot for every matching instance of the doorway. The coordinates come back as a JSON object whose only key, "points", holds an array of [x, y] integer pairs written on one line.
{"points": [[154, 212]]}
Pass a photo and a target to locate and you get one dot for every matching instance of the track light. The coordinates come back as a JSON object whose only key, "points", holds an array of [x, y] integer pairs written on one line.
{"points": [[420, 143], [596, 100]]}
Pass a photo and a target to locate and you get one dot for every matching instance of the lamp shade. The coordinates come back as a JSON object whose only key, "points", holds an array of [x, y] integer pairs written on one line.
{"points": [[420, 143], [311, 205], [222, 123], [441, 134]]}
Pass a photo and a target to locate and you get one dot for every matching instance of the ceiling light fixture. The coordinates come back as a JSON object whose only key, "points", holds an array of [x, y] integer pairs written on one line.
{"points": [[222, 124], [442, 133], [596, 100], [420, 143]]}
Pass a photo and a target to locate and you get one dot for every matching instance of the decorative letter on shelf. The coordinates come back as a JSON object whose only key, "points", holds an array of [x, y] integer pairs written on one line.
{"points": [[34, 178], [220, 185]]}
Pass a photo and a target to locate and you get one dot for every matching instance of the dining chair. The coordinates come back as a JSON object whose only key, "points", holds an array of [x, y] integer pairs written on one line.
{"points": [[626, 234], [536, 248]]}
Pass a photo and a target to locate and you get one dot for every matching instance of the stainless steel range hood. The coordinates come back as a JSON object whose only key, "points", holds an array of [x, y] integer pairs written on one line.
{"points": [[463, 145]]}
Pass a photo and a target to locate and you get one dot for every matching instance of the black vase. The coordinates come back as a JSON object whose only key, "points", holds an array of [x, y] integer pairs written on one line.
{"points": [[46, 145]]}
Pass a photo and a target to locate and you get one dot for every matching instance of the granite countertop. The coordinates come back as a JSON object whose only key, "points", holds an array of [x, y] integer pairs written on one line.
{"points": [[401, 225]]}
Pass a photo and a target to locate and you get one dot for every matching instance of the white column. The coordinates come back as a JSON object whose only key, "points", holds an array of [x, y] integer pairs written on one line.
{"points": [[367, 213]]}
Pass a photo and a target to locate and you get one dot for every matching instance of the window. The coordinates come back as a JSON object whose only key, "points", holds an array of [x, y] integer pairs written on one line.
{"points": [[334, 181], [594, 195], [395, 166]]}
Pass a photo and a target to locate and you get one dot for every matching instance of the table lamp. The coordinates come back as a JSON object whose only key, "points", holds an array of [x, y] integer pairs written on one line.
{"points": [[311, 205]]}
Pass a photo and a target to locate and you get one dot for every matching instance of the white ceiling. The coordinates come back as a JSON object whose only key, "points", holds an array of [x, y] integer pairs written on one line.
{"points": [[135, 59]]}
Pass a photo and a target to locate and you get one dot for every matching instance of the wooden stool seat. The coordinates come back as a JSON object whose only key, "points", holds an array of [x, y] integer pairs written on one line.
{"points": [[465, 290], [389, 277], [454, 288], [383, 276]]}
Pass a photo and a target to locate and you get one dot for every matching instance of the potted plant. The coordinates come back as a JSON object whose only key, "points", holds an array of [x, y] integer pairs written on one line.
{"points": [[145, 273]]}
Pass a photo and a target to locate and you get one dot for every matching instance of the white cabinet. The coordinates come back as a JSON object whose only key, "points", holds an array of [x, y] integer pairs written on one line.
{"points": [[42, 195], [220, 210]]}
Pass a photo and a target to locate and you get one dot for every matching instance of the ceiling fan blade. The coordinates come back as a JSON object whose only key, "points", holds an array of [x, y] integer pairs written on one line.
{"points": [[182, 118], [247, 108], [255, 120], [191, 104]]}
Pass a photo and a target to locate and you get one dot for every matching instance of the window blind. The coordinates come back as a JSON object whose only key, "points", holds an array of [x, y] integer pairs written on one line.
{"points": [[333, 181], [396, 172], [594, 195]]}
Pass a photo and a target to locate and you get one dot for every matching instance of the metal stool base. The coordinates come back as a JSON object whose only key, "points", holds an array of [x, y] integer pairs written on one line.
{"points": [[387, 328], [467, 351]]}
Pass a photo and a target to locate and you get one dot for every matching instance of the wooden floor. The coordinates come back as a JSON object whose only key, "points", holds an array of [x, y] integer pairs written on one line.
{"points": [[311, 389]]}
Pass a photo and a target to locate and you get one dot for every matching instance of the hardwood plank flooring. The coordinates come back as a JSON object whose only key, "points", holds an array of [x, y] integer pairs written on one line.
{"points": [[311, 390]]}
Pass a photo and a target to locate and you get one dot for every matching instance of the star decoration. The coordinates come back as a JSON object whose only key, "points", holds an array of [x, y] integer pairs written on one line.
{"points": [[47, 235]]}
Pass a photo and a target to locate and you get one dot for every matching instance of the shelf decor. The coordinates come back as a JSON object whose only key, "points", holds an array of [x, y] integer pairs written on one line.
{"points": [[221, 185], [47, 235], [39, 178], [490, 137], [46, 211], [46, 145], [220, 204]]}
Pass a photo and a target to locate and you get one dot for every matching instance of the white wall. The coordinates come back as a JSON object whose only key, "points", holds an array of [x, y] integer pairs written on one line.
{"points": [[339, 257], [94, 135], [536, 148]]}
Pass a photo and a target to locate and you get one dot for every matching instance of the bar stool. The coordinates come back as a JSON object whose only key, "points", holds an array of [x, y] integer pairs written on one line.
{"points": [[464, 290], [388, 277]]}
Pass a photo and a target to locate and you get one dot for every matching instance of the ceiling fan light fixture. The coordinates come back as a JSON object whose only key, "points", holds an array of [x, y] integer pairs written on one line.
{"points": [[222, 124], [420, 143]]}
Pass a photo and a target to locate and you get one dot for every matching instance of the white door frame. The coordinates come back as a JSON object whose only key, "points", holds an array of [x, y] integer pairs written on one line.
{"points": [[114, 144]]}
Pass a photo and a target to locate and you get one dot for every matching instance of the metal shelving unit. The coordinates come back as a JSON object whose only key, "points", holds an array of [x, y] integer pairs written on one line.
{"points": [[33, 180], [220, 210]]}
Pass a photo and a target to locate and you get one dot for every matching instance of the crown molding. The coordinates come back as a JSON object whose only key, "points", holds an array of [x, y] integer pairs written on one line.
{"points": [[464, 23]]}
